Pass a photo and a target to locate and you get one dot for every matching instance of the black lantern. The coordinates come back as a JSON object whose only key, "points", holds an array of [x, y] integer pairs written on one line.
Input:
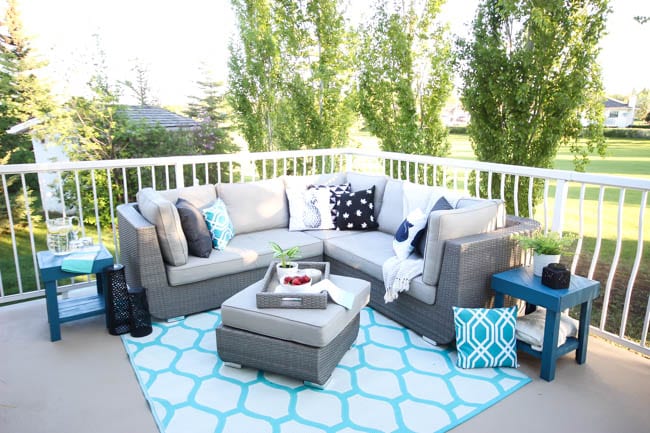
{"points": [[117, 299], [139, 315]]}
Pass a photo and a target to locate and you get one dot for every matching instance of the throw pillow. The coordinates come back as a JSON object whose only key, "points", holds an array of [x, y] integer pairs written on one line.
{"points": [[219, 224], [420, 238], [405, 237], [309, 209], [335, 193], [356, 210], [199, 241], [530, 328], [486, 337]]}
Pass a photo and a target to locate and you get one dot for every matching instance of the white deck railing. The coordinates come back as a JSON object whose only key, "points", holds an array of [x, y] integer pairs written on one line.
{"points": [[606, 212]]}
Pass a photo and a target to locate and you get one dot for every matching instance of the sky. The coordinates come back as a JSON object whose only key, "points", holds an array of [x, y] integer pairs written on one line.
{"points": [[177, 41]]}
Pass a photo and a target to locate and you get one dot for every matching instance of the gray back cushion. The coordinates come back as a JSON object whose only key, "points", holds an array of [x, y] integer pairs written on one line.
{"points": [[302, 182], [392, 214], [255, 206], [162, 213], [501, 208], [452, 224], [359, 181]]}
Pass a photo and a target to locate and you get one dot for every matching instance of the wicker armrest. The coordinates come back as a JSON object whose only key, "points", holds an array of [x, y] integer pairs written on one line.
{"points": [[140, 251], [469, 262]]}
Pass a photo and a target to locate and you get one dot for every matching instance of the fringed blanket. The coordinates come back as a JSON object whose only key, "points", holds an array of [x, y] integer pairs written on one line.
{"points": [[398, 275]]}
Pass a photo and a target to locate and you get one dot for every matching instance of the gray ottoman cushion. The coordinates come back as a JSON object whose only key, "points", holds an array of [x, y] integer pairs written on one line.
{"points": [[310, 327]]}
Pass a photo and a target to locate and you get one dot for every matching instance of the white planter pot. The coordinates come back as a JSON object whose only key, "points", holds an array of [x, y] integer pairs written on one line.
{"points": [[540, 261], [282, 272]]}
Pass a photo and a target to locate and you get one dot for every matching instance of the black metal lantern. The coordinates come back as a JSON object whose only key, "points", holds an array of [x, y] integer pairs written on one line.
{"points": [[117, 300], [139, 314]]}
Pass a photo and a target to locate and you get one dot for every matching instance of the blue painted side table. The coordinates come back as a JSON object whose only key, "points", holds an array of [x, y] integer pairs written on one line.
{"points": [[522, 284], [66, 310]]}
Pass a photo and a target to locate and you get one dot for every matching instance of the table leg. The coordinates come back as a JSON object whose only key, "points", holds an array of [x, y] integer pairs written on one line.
{"points": [[102, 290], [583, 332], [52, 310], [498, 300], [549, 351]]}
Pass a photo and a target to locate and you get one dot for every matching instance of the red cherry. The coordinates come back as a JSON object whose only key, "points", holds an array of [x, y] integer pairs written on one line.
{"points": [[306, 279], [287, 279], [296, 281]]}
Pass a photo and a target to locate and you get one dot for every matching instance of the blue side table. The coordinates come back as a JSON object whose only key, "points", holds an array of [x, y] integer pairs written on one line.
{"points": [[522, 284], [66, 310]]}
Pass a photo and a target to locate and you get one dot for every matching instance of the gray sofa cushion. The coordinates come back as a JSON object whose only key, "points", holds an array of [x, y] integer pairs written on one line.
{"points": [[359, 181], [255, 206], [244, 252], [315, 328], [302, 182], [200, 195], [162, 213], [392, 214], [452, 224], [367, 252], [501, 208]]}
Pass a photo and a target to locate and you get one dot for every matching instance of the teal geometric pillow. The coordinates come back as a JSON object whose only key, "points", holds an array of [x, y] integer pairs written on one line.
{"points": [[486, 337], [219, 224]]}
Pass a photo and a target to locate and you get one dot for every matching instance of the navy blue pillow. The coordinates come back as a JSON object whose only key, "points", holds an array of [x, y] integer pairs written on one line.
{"points": [[421, 238], [199, 241]]}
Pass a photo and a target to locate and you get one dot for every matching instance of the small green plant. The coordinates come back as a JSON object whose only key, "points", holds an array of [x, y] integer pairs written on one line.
{"points": [[285, 256], [550, 243]]}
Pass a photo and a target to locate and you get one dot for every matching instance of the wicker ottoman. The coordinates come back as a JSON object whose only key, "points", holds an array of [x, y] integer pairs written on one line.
{"points": [[306, 344]]}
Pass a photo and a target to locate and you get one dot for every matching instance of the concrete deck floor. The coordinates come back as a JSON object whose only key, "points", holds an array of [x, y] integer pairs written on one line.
{"points": [[84, 383]]}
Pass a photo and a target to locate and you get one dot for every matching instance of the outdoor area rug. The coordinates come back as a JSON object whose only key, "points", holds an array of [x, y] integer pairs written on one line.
{"points": [[390, 381]]}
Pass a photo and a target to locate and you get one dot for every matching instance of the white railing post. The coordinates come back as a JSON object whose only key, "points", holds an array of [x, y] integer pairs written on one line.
{"points": [[180, 178], [561, 193]]}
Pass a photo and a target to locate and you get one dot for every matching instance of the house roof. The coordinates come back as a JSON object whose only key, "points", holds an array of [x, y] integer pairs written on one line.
{"points": [[613, 103], [159, 116], [150, 115]]}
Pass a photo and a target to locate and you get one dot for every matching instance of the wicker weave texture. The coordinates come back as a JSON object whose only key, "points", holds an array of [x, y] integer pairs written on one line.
{"points": [[302, 362]]}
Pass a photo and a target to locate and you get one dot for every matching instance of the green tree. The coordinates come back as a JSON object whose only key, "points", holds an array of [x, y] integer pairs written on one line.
{"points": [[140, 86], [642, 105], [405, 77], [290, 74], [210, 110], [531, 78], [22, 97], [254, 74], [316, 58]]}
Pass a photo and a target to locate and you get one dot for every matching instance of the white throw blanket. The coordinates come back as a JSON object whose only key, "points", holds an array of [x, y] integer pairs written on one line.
{"points": [[398, 275]]}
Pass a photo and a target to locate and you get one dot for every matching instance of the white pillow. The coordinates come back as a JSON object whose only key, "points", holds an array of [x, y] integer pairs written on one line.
{"points": [[404, 241], [309, 209], [530, 328]]}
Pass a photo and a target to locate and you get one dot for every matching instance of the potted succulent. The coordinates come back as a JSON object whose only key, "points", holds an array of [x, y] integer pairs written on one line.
{"points": [[547, 248], [287, 256]]}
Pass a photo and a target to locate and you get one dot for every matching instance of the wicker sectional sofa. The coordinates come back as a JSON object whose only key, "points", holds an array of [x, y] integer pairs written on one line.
{"points": [[462, 248]]}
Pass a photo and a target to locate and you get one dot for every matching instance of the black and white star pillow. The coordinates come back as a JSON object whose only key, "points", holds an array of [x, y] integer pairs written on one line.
{"points": [[356, 210]]}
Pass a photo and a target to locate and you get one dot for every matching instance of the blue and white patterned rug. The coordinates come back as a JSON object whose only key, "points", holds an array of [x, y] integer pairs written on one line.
{"points": [[390, 381]]}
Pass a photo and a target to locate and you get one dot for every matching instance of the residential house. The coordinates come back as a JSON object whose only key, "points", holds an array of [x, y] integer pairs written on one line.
{"points": [[619, 114]]}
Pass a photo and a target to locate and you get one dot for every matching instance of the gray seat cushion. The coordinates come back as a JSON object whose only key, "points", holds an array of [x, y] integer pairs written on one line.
{"points": [[312, 327], [391, 214], [367, 252], [244, 252]]}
